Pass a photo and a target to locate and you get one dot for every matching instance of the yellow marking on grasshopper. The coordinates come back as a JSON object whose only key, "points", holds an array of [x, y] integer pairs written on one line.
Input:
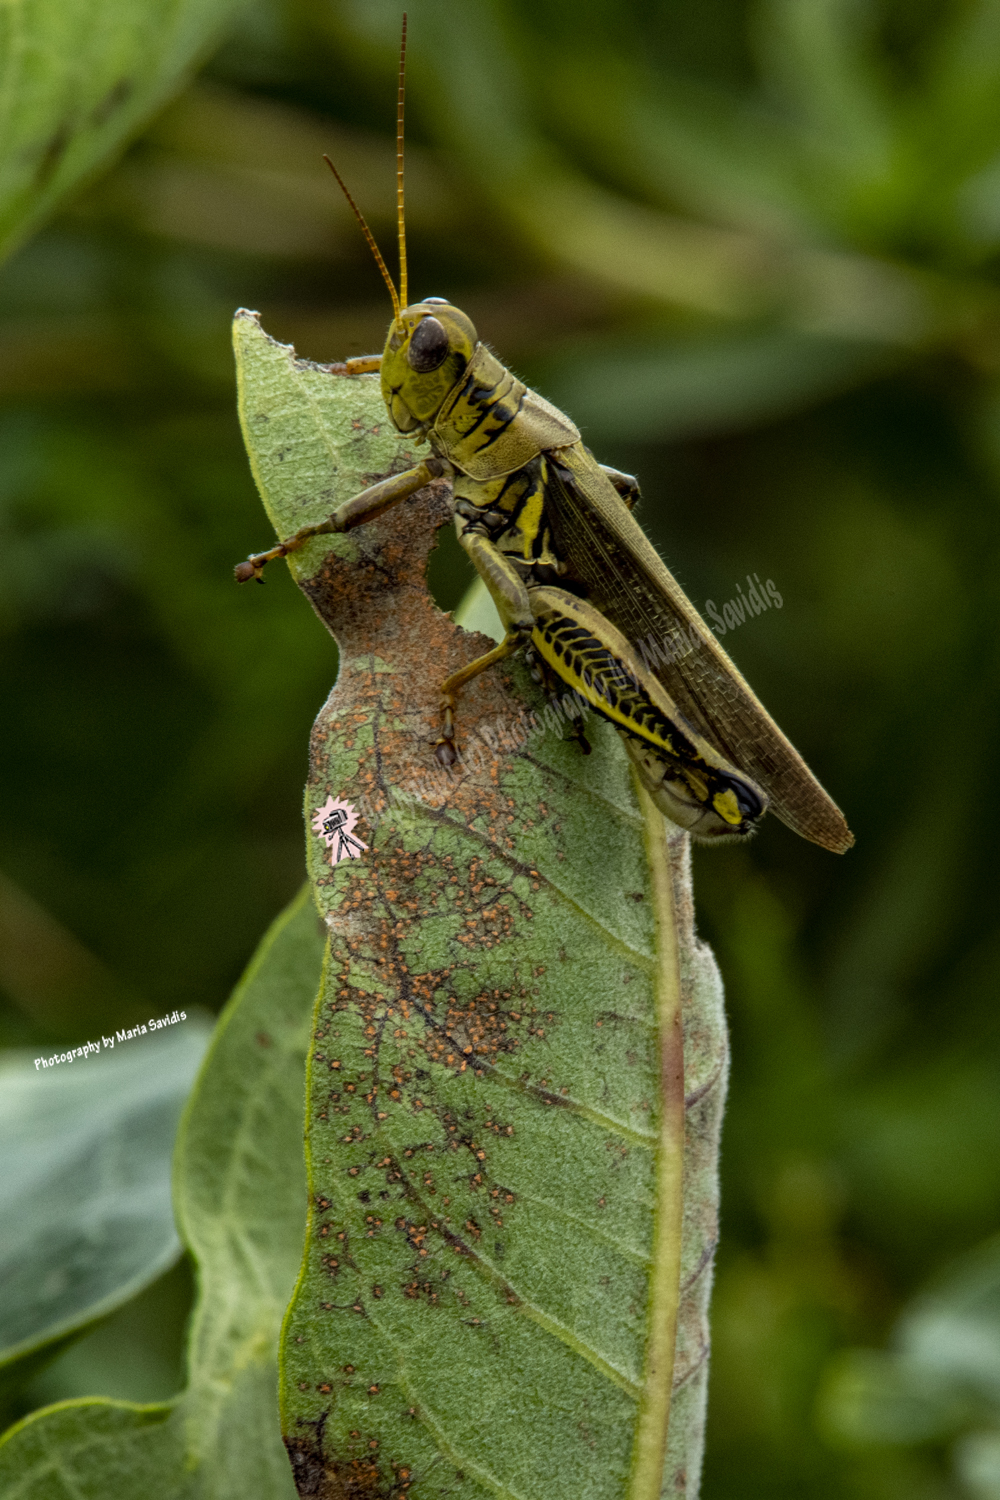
{"points": [[726, 806], [530, 520]]}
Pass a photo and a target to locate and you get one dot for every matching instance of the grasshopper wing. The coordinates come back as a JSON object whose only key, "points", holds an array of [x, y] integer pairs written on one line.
{"points": [[630, 584]]}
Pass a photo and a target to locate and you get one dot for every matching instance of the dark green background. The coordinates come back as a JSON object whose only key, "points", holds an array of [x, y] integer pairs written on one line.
{"points": [[806, 387]]}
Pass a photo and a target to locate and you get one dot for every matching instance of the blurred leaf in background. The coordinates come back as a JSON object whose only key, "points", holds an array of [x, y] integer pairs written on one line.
{"points": [[78, 79], [238, 1180], [85, 1208], [940, 1381], [753, 250]]}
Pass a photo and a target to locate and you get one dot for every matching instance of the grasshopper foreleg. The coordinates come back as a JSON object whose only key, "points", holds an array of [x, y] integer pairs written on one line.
{"points": [[363, 507]]}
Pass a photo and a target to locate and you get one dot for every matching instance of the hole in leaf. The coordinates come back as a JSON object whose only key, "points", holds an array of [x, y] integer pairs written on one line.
{"points": [[449, 571]]}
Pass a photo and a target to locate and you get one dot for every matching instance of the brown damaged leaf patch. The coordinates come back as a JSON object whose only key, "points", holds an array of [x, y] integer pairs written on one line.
{"points": [[359, 1478]]}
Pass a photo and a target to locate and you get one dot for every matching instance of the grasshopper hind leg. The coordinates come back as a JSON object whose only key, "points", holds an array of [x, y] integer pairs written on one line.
{"points": [[672, 794], [547, 679], [689, 779]]}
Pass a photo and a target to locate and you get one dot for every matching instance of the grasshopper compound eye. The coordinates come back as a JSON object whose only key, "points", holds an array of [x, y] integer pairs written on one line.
{"points": [[428, 347]]}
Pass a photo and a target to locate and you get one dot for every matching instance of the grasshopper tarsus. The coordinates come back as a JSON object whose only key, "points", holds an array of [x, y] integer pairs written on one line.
{"points": [[359, 364], [576, 733], [626, 484], [256, 563], [444, 750], [532, 663], [445, 753], [252, 568]]}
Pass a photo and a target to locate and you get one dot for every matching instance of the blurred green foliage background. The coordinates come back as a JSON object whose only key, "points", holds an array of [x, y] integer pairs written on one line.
{"points": [[753, 249]]}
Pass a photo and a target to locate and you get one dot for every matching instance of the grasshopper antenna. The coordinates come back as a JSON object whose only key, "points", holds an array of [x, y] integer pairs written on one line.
{"points": [[400, 213], [400, 298], [370, 238]]}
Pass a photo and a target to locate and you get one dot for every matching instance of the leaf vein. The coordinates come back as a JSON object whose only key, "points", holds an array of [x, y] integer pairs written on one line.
{"points": [[644, 959]]}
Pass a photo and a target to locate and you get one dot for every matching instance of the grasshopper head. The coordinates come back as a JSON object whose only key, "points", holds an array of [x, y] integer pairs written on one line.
{"points": [[425, 355]]}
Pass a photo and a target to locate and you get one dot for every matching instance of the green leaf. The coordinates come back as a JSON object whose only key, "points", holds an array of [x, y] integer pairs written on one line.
{"points": [[85, 1192], [679, 141], [953, 1328], [489, 1295], [239, 1189], [79, 77], [478, 612], [977, 1462], [962, 99], [942, 1375], [311, 440], [820, 54], [874, 1397]]}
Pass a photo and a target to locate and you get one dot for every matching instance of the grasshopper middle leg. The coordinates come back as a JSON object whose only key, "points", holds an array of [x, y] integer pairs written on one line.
{"points": [[626, 485], [510, 596], [445, 747]]}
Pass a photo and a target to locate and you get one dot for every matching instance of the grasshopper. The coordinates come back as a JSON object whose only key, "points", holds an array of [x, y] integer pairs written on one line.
{"points": [[574, 578]]}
